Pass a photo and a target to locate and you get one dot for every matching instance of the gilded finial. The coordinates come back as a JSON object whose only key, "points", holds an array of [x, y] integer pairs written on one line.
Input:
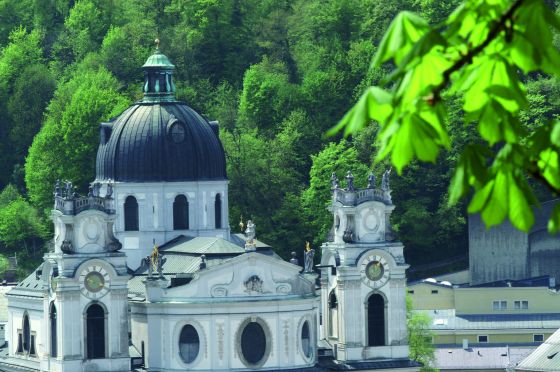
{"points": [[307, 246], [156, 41], [154, 257], [241, 224]]}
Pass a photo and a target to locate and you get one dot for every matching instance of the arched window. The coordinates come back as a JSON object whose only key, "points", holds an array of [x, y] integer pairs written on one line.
{"points": [[333, 314], [376, 320], [306, 339], [52, 317], [26, 333], [180, 213], [189, 344], [130, 214], [95, 332], [218, 211]]}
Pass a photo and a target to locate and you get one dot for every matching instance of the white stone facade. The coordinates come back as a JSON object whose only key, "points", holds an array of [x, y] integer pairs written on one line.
{"points": [[219, 303], [361, 228], [155, 209]]}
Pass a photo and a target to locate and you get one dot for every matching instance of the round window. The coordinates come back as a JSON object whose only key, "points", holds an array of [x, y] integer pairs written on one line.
{"points": [[177, 131], [189, 344], [306, 340], [253, 343]]}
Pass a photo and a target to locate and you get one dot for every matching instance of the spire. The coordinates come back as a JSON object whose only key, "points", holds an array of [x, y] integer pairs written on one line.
{"points": [[158, 78]]}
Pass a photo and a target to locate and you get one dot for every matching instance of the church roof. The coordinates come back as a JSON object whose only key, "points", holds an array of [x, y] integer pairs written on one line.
{"points": [[159, 139], [201, 245]]}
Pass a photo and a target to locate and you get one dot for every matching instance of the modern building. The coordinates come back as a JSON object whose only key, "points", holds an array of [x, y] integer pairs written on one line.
{"points": [[503, 252], [511, 312], [146, 275]]}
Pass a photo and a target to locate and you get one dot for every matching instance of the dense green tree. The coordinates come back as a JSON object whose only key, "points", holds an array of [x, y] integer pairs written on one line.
{"points": [[480, 51], [21, 227], [420, 337], [67, 143]]}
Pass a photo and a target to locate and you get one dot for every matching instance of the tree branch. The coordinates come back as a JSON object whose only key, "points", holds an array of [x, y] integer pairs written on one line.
{"points": [[467, 58]]}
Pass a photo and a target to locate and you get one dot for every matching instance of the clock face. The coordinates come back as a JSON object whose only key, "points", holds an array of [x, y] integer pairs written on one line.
{"points": [[375, 271], [94, 282]]}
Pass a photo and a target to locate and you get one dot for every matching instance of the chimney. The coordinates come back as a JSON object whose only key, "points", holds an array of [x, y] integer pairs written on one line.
{"points": [[465, 344]]}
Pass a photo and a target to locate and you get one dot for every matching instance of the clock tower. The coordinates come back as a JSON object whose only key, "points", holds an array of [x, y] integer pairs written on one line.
{"points": [[85, 288], [363, 276]]}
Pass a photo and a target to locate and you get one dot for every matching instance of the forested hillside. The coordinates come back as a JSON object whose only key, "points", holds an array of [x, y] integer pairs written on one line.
{"points": [[276, 74]]}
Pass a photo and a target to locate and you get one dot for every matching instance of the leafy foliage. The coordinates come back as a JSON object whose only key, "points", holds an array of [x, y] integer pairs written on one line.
{"points": [[477, 54], [420, 337]]}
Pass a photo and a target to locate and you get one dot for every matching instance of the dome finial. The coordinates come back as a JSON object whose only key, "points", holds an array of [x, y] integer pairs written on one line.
{"points": [[156, 41]]}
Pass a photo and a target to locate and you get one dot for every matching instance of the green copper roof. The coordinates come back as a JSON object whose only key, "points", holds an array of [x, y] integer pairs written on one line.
{"points": [[158, 60]]}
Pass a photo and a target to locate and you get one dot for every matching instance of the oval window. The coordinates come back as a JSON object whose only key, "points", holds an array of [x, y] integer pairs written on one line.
{"points": [[306, 339], [189, 344], [253, 343]]}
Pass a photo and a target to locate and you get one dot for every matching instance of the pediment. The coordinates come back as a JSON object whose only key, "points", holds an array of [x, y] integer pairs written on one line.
{"points": [[248, 275]]}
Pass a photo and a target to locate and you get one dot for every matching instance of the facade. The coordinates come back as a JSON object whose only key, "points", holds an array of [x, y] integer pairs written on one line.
{"points": [[523, 312], [145, 274], [503, 252], [363, 277]]}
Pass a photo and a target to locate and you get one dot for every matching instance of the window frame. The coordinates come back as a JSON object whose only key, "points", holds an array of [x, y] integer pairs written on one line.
{"points": [[176, 337], [268, 340], [131, 223], [538, 334], [478, 337], [189, 363]]}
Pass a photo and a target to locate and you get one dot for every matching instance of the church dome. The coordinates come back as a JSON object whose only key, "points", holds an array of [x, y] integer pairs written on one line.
{"points": [[159, 138]]}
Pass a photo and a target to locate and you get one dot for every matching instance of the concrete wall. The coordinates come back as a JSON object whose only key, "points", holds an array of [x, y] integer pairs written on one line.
{"points": [[496, 253], [424, 298], [479, 300]]}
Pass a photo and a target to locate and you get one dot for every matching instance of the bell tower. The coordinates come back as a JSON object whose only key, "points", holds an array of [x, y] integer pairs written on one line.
{"points": [[363, 275], [85, 288]]}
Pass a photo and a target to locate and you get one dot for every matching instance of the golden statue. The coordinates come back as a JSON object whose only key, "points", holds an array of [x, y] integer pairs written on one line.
{"points": [[241, 224], [154, 258]]}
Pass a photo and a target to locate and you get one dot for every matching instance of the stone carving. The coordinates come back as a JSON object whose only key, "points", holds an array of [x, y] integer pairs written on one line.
{"points": [[254, 284], [350, 181], [309, 255], [294, 260], [371, 181], [66, 246], [283, 289], [57, 189], [68, 189], [109, 193], [334, 181], [219, 291], [250, 233], [348, 236], [220, 332], [287, 337], [385, 186], [202, 264]]}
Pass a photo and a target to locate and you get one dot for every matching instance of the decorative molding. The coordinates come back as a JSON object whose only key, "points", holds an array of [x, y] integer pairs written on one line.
{"points": [[220, 332], [286, 331], [253, 284]]}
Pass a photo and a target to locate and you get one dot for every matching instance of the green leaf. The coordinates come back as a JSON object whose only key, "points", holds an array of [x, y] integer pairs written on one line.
{"points": [[480, 197], [496, 209], [554, 221], [549, 166], [405, 30], [555, 133], [374, 104], [520, 211], [471, 170]]}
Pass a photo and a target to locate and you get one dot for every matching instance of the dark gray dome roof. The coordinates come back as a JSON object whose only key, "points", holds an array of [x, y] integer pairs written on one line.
{"points": [[160, 141]]}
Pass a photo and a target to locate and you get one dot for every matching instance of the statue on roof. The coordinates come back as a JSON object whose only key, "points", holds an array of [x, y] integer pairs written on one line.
{"points": [[385, 180], [371, 181], [350, 181], [309, 255], [334, 181], [250, 234]]}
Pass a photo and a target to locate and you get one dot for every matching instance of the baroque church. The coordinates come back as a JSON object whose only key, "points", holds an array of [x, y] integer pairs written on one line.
{"points": [[146, 275]]}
